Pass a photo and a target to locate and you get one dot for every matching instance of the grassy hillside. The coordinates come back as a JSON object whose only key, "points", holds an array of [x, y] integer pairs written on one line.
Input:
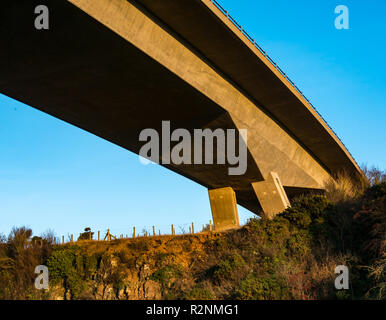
{"points": [[290, 257]]}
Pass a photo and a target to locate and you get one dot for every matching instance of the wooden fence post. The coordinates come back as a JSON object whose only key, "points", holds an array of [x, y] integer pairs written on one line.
{"points": [[153, 231], [62, 239], [99, 235], [107, 236], [192, 227], [172, 230], [72, 238], [210, 225], [133, 232]]}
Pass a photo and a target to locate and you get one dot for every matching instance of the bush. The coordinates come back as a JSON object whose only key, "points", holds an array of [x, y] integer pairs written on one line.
{"points": [[261, 288], [66, 265], [86, 235], [226, 269], [18, 258], [165, 274], [199, 293]]}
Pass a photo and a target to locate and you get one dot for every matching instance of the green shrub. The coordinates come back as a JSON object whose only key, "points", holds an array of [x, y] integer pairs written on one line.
{"points": [[261, 288], [64, 265], [306, 211], [199, 293], [167, 273], [226, 268], [61, 264]]}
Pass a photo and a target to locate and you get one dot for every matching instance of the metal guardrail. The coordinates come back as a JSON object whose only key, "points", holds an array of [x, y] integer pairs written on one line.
{"points": [[253, 41]]}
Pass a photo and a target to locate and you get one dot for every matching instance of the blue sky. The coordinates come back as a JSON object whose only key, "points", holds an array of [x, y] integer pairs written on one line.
{"points": [[56, 176]]}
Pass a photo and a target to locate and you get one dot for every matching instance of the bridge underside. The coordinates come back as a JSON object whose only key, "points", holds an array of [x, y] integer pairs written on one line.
{"points": [[112, 68]]}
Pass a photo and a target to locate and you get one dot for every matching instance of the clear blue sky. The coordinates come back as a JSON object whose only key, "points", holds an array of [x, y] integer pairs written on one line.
{"points": [[56, 176]]}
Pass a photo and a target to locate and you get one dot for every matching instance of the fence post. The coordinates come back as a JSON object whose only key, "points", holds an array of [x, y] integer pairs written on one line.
{"points": [[192, 227], [99, 235], [72, 238], [62, 239], [153, 231], [210, 225], [133, 232], [159, 232], [172, 230]]}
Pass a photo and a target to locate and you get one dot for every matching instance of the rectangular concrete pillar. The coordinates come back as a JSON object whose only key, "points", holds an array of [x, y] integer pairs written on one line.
{"points": [[224, 208], [271, 195]]}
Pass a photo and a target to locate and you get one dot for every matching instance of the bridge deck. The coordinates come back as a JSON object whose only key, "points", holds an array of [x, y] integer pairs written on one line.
{"points": [[208, 30], [108, 81]]}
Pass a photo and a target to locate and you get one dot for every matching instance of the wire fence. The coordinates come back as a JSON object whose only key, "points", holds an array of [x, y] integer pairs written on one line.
{"points": [[253, 41], [131, 232]]}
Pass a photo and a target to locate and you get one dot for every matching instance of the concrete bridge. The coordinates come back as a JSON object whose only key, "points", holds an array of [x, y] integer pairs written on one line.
{"points": [[115, 67]]}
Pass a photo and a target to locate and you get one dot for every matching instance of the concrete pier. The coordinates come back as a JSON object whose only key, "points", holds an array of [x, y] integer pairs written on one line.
{"points": [[224, 208], [271, 195]]}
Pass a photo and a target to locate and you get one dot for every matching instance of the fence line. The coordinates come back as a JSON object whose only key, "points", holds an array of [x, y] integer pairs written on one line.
{"points": [[153, 231]]}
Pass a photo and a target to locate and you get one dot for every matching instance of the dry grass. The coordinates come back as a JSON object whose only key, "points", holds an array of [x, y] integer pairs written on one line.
{"points": [[344, 187]]}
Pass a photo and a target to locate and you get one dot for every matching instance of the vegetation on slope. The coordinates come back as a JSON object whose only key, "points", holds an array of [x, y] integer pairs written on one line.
{"points": [[290, 257]]}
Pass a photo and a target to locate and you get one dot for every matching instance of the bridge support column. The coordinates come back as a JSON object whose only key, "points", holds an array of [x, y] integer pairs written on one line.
{"points": [[224, 208], [271, 195]]}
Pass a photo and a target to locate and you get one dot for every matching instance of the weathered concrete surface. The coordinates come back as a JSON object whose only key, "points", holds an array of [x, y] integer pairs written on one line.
{"points": [[115, 67], [271, 195], [224, 208]]}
